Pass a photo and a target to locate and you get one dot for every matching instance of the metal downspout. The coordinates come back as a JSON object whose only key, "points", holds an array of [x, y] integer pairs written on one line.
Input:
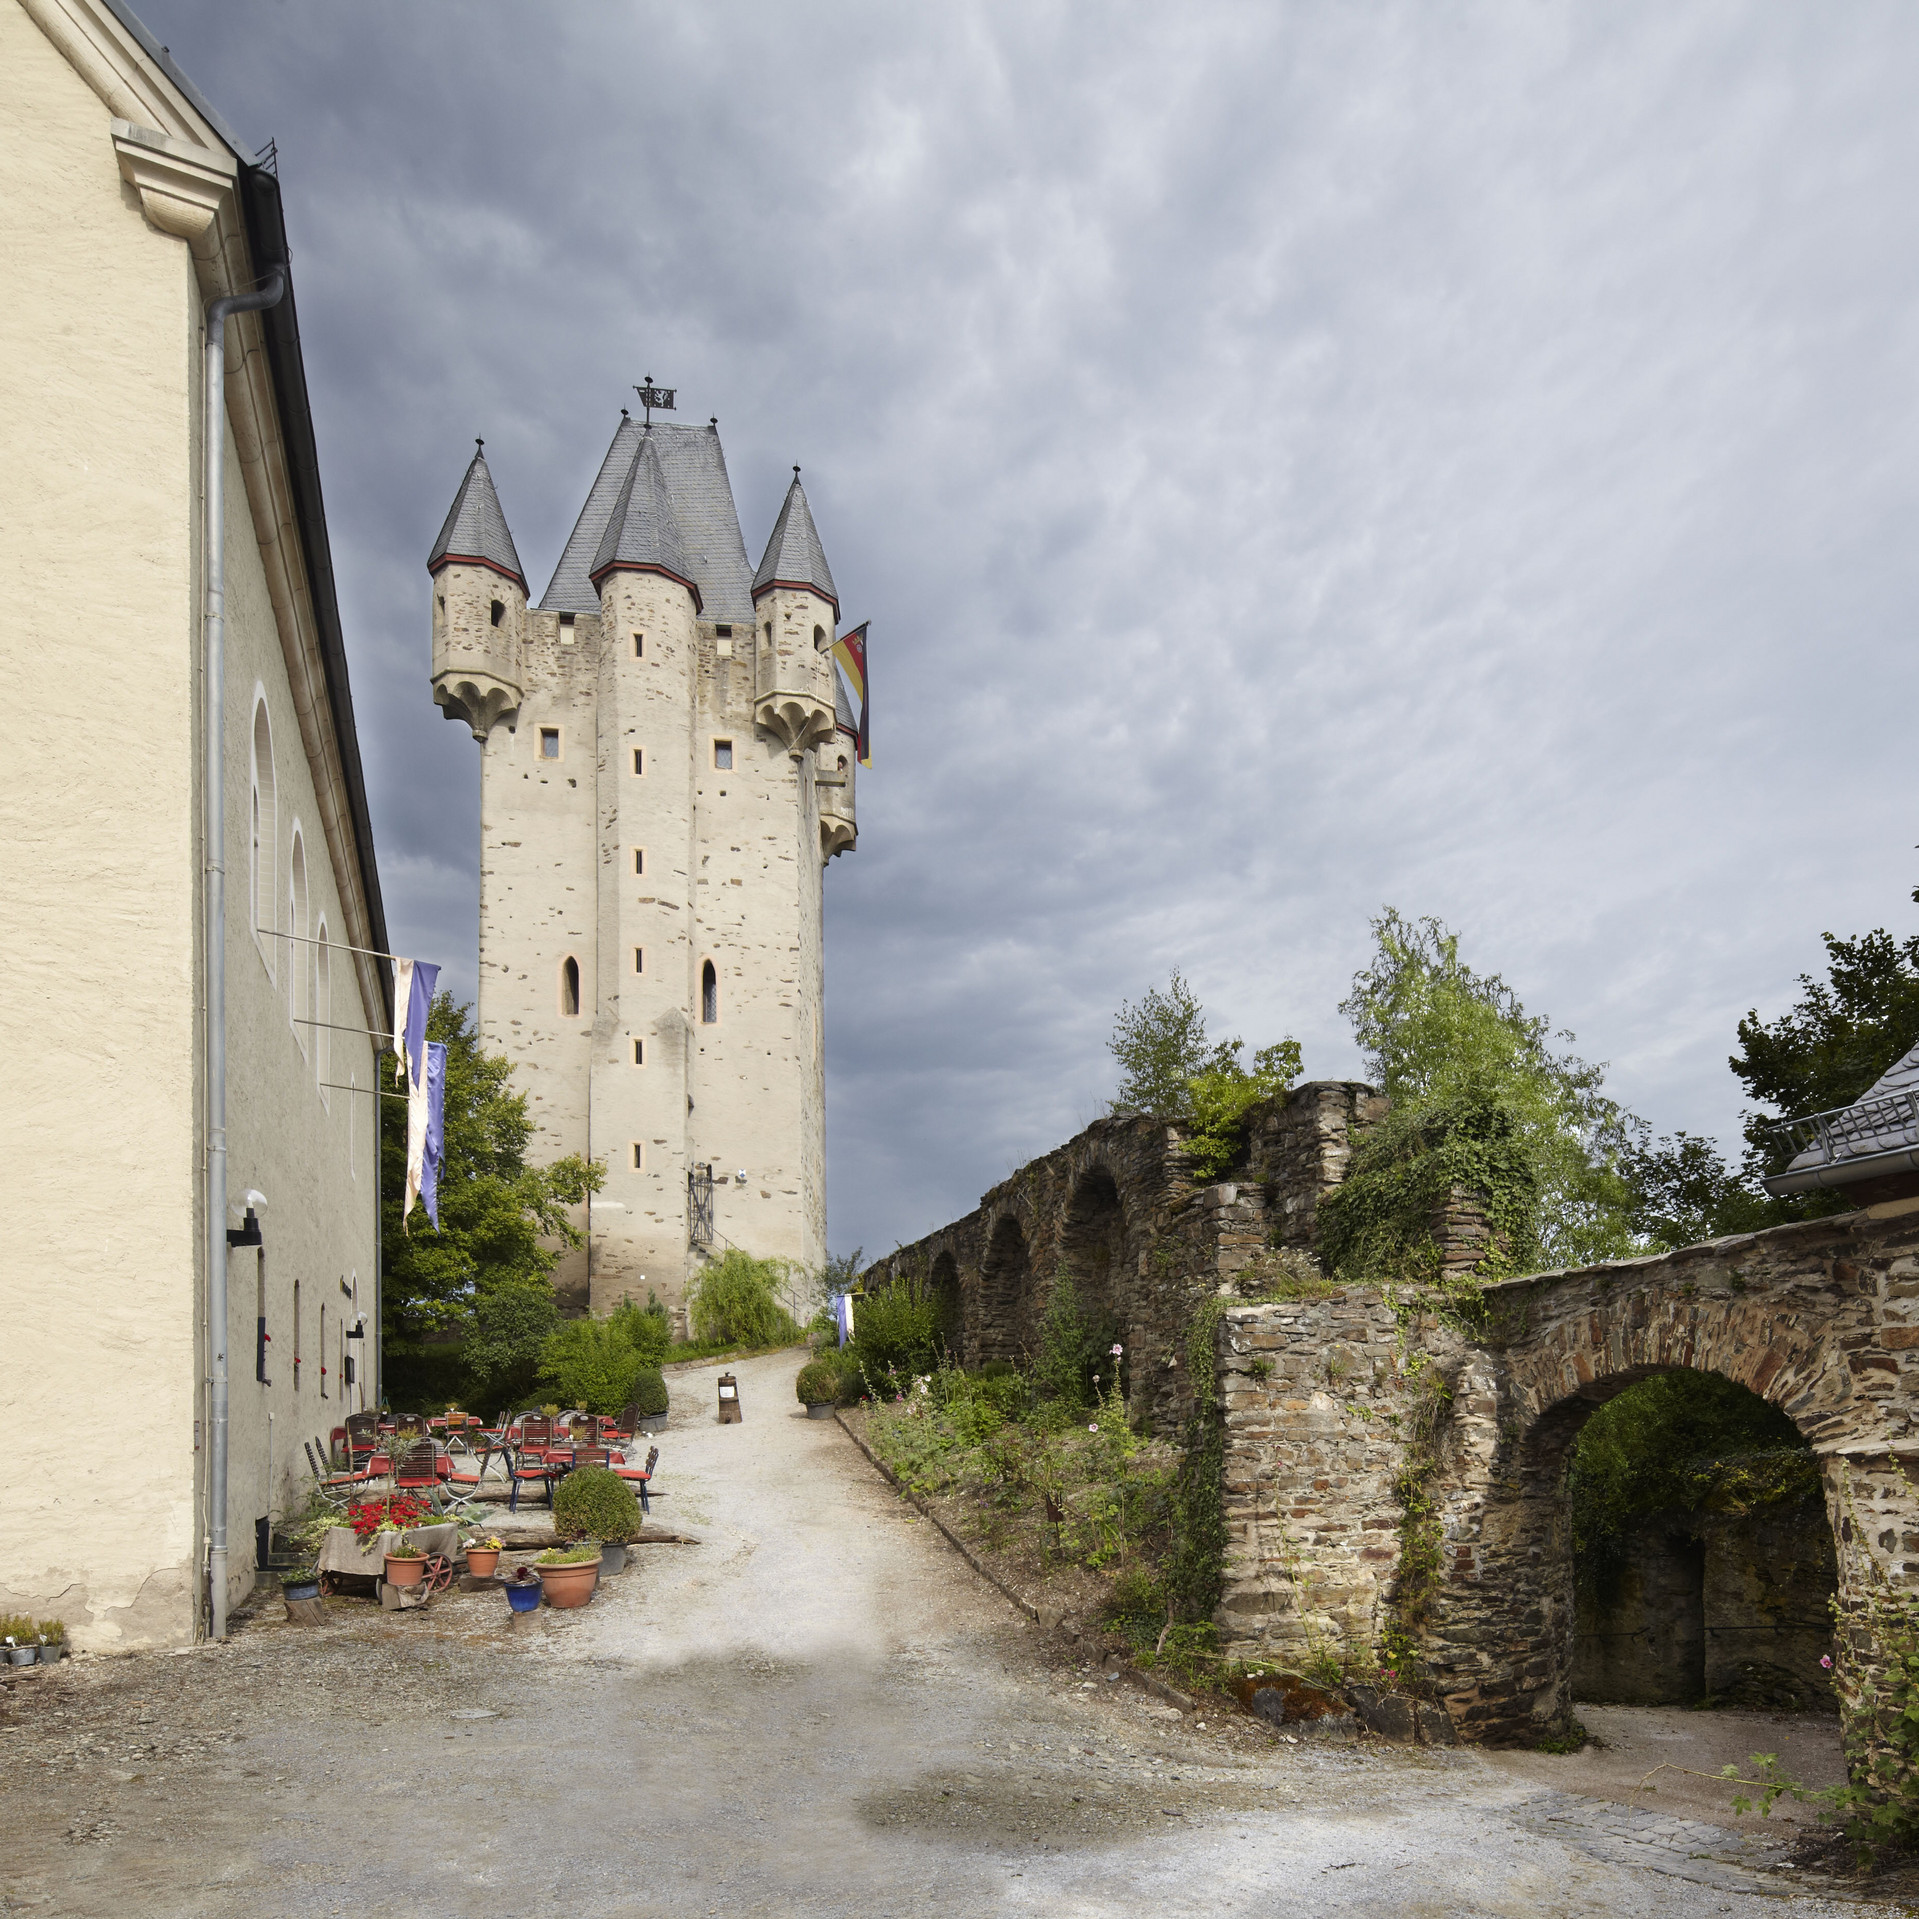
{"points": [[268, 294]]}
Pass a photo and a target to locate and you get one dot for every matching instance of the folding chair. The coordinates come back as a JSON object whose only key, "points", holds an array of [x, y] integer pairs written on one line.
{"points": [[531, 1462], [329, 1480], [460, 1478], [362, 1435], [416, 1470], [640, 1477]]}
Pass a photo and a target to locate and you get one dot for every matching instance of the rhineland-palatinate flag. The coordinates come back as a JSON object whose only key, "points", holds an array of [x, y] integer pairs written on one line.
{"points": [[850, 651]]}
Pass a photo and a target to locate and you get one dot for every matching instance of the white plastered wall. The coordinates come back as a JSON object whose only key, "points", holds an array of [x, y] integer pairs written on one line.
{"points": [[100, 976]]}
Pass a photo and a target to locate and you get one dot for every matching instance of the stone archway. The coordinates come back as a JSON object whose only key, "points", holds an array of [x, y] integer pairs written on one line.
{"points": [[1005, 1283], [1091, 1238], [948, 1304]]}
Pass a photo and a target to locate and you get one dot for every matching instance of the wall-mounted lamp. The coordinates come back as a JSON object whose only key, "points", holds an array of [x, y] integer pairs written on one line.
{"points": [[247, 1233]]}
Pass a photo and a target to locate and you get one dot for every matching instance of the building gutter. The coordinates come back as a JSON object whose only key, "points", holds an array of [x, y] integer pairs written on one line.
{"points": [[267, 295], [1843, 1172]]}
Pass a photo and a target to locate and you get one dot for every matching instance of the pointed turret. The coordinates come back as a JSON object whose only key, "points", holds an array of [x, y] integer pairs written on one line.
{"points": [[794, 556], [476, 530], [479, 607], [796, 607], [643, 533]]}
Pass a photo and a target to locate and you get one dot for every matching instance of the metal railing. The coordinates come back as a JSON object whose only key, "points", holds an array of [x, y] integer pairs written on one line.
{"points": [[699, 1204], [1853, 1132]]}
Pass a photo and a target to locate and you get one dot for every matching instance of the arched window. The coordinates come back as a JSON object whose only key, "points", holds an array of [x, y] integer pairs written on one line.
{"points": [[819, 639], [570, 987], [299, 953], [263, 837], [322, 1011], [709, 995]]}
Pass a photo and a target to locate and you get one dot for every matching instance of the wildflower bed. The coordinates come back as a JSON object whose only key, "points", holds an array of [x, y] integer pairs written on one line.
{"points": [[1072, 1508]]}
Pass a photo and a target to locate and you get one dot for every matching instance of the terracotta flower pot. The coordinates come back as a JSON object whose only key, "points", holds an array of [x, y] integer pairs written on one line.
{"points": [[481, 1560], [404, 1572], [569, 1585]]}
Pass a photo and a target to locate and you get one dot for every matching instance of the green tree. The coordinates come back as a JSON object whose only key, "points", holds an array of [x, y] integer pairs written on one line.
{"points": [[1846, 1030], [458, 1305], [1469, 1069], [595, 1364], [1169, 1068]]}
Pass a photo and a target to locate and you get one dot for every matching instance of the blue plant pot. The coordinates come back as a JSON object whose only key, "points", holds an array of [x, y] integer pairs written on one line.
{"points": [[523, 1598]]}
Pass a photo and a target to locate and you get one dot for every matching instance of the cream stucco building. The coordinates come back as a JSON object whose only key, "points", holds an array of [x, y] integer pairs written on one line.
{"points": [[128, 208], [668, 766]]}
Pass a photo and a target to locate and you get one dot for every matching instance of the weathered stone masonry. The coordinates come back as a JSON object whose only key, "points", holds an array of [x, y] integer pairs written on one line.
{"points": [[1323, 1402]]}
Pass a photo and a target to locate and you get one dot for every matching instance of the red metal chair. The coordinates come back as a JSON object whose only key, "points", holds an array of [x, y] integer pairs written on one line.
{"points": [[640, 1477], [417, 1469], [531, 1462]]}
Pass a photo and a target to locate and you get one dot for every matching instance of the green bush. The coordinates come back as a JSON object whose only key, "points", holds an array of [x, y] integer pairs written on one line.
{"points": [[592, 1502], [1074, 1346], [736, 1301], [818, 1384], [897, 1331], [568, 1555], [597, 1364], [649, 1394]]}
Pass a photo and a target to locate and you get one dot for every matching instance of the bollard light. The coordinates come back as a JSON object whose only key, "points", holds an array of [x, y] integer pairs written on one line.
{"points": [[729, 1400]]}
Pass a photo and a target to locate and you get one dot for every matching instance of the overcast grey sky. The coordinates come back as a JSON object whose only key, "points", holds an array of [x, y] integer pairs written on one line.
{"points": [[1294, 458]]}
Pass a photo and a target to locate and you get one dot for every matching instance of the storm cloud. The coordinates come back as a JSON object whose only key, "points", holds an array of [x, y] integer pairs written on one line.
{"points": [[1293, 457]]}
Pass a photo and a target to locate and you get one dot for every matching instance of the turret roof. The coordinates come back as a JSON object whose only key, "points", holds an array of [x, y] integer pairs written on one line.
{"points": [[701, 498], [643, 531], [475, 530], [794, 556]]}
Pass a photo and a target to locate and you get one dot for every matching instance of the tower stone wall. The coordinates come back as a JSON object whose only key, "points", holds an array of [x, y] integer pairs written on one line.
{"points": [[650, 810]]}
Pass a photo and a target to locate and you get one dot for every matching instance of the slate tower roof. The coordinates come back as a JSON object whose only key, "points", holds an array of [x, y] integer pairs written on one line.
{"points": [[794, 556], [642, 530], [475, 531], [701, 498]]}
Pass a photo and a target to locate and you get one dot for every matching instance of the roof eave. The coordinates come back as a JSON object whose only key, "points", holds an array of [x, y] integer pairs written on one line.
{"points": [[648, 566], [797, 586], [475, 559], [1842, 1172]]}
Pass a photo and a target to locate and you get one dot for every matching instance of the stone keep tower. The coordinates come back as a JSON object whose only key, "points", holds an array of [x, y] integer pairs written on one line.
{"points": [[667, 767]]}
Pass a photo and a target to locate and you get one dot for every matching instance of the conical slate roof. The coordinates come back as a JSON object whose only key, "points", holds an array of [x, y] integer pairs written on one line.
{"points": [[643, 532], [702, 500], [475, 531], [794, 556]]}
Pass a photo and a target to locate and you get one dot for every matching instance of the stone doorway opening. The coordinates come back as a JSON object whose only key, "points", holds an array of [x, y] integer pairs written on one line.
{"points": [[1703, 1563]]}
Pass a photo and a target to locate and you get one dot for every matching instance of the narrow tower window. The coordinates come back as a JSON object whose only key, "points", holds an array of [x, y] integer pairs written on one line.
{"points": [[639, 859], [639, 1157], [299, 952], [322, 1012], [549, 742], [639, 1052], [266, 837], [639, 761], [819, 639], [566, 629], [570, 988], [709, 995], [723, 755], [639, 646], [639, 959], [498, 613]]}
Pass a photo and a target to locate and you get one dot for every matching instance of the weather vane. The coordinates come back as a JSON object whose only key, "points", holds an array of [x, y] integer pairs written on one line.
{"points": [[652, 396]]}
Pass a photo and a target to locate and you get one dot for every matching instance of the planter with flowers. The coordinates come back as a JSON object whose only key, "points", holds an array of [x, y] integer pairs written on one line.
{"points": [[482, 1556], [568, 1574]]}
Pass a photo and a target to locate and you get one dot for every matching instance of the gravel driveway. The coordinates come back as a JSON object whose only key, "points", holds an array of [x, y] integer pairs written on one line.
{"points": [[817, 1709]]}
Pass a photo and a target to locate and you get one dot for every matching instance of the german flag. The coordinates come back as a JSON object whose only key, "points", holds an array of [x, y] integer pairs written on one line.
{"points": [[850, 651]]}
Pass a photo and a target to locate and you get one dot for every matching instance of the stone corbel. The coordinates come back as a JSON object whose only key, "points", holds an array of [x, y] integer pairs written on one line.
{"points": [[181, 187]]}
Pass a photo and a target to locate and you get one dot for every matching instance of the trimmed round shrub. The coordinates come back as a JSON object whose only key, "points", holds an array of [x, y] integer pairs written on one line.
{"points": [[592, 1502], [818, 1384], [649, 1393]]}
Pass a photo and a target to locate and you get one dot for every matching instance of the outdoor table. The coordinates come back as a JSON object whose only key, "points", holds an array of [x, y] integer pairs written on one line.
{"points": [[341, 1551]]}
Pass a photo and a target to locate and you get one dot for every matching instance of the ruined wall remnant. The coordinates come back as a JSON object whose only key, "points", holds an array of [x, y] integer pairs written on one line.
{"points": [[1117, 1210], [1382, 1469]]}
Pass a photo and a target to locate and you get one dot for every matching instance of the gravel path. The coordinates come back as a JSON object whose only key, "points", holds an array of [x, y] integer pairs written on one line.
{"points": [[818, 1709]]}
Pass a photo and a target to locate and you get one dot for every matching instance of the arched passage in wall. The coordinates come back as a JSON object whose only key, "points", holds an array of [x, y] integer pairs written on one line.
{"points": [[1521, 1601], [1004, 1277], [1091, 1238], [948, 1308]]}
